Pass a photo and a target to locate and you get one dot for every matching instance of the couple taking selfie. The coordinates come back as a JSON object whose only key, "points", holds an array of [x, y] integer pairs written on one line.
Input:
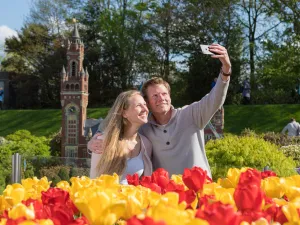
{"points": [[173, 139]]}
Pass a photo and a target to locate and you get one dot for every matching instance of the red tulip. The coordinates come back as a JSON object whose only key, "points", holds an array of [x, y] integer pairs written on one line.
{"points": [[174, 187], [146, 181], [206, 200], [40, 212], [161, 178], [248, 197], [146, 221], [252, 216], [194, 178], [268, 173], [188, 196], [80, 221], [218, 213], [133, 180], [250, 177]]}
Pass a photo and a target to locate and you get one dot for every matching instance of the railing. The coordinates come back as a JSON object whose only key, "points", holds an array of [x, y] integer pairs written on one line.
{"points": [[54, 168]]}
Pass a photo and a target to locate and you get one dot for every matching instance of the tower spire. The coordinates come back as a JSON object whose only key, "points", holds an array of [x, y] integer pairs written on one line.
{"points": [[75, 36], [63, 71]]}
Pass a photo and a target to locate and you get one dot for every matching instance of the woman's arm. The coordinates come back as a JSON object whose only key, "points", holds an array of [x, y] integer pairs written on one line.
{"points": [[94, 173]]}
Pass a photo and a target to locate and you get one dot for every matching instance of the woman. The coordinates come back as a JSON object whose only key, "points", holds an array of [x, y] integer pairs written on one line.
{"points": [[124, 150]]}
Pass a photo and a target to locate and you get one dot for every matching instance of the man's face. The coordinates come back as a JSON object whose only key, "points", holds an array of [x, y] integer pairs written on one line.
{"points": [[159, 100]]}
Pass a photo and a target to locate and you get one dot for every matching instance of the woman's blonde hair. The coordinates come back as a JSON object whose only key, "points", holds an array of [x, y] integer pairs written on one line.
{"points": [[114, 159]]}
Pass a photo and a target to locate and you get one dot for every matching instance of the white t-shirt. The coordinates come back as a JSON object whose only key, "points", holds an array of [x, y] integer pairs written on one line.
{"points": [[134, 165]]}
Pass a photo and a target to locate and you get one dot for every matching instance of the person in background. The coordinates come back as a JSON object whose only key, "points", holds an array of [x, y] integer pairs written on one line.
{"points": [[293, 128], [214, 82], [177, 135], [246, 91], [124, 151], [1, 98]]}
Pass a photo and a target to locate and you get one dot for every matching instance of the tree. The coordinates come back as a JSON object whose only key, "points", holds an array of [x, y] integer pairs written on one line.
{"points": [[278, 72], [254, 16], [26, 144], [206, 22], [36, 59]]}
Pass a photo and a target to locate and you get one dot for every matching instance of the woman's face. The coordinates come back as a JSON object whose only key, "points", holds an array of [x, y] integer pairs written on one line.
{"points": [[137, 112]]}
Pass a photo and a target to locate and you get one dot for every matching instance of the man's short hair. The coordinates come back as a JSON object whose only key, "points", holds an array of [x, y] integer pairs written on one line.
{"points": [[154, 81], [293, 119]]}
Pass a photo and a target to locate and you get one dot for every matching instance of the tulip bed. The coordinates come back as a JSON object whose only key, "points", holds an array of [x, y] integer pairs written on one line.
{"points": [[245, 196]]}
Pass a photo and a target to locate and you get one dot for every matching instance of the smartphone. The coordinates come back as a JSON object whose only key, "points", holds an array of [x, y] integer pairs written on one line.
{"points": [[205, 50]]}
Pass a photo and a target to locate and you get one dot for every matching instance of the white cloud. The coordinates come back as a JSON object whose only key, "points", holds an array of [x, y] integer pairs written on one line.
{"points": [[6, 32]]}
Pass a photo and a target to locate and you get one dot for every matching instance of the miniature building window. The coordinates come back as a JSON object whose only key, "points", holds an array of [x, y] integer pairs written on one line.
{"points": [[73, 69], [71, 151], [77, 87], [72, 86], [72, 130], [67, 87]]}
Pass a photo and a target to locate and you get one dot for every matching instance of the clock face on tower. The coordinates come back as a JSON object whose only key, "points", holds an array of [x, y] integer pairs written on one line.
{"points": [[72, 110]]}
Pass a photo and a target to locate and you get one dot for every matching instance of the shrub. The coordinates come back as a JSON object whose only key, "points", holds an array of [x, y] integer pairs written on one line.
{"points": [[292, 151], [55, 179], [275, 138], [55, 143], [64, 173], [233, 151], [74, 172], [53, 171]]}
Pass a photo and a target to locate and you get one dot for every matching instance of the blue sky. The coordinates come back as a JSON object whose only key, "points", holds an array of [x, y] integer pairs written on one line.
{"points": [[12, 15], [13, 12]]}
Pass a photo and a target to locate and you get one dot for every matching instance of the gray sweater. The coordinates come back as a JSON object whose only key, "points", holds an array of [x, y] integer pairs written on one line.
{"points": [[179, 144]]}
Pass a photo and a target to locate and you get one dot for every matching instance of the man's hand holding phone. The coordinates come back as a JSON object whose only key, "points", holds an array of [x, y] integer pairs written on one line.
{"points": [[219, 52]]}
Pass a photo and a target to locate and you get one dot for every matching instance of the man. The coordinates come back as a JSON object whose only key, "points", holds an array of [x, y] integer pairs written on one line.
{"points": [[246, 91], [293, 128], [177, 135], [1, 98]]}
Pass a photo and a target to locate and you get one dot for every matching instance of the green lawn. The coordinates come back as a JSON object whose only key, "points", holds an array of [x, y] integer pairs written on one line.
{"points": [[260, 118]]}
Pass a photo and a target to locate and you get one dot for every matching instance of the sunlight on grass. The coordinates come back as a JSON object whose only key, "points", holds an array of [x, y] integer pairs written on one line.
{"points": [[261, 118]]}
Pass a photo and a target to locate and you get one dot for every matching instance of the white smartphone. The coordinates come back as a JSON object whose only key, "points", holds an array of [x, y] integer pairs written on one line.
{"points": [[205, 50]]}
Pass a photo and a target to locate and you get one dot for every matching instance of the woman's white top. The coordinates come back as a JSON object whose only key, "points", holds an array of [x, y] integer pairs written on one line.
{"points": [[134, 165]]}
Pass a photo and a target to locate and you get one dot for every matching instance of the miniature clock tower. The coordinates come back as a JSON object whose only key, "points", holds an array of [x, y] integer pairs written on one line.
{"points": [[74, 100]]}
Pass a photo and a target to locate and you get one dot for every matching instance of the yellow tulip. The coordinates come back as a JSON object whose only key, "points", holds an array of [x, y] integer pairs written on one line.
{"points": [[225, 195], [133, 207], [209, 189], [64, 185], [272, 187], [79, 183], [225, 183], [233, 175], [178, 180], [14, 194], [3, 221], [261, 221], [171, 215], [28, 222], [99, 207], [108, 181], [197, 221], [35, 186], [21, 210], [280, 201], [39, 222], [291, 213], [3, 204], [296, 179], [45, 222], [292, 192]]}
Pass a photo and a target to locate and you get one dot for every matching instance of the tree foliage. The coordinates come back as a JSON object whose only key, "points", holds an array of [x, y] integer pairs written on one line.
{"points": [[128, 41]]}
